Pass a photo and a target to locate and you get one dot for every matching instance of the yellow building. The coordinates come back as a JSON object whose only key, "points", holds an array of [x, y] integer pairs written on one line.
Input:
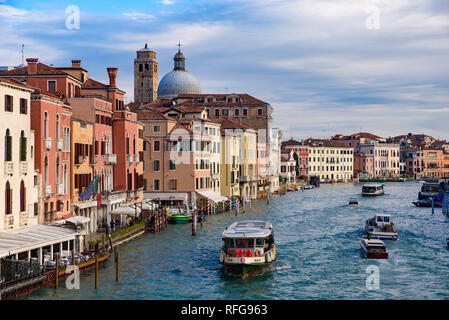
{"points": [[330, 160], [229, 166], [82, 180]]}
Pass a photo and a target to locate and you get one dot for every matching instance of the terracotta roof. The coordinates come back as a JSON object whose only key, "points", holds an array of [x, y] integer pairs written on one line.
{"points": [[151, 114], [246, 98], [291, 142], [184, 110], [229, 124], [325, 143], [42, 69], [16, 82], [179, 125], [93, 84]]}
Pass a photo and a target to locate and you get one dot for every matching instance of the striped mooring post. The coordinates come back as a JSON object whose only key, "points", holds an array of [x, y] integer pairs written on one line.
{"points": [[208, 207], [250, 202]]}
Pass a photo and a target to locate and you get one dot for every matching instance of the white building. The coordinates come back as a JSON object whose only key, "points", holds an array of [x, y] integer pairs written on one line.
{"points": [[288, 167], [274, 158], [19, 182]]}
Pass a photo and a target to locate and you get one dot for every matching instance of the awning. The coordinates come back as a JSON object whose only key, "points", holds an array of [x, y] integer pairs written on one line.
{"points": [[209, 194], [28, 238], [165, 196], [77, 220], [144, 205], [128, 210]]}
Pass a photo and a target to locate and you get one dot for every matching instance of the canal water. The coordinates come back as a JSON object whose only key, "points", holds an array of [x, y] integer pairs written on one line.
{"points": [[319, 255]]}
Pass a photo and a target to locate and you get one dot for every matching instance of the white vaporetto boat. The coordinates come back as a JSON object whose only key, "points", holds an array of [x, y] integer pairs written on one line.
{"points": [[248, 247], [373, 189]]}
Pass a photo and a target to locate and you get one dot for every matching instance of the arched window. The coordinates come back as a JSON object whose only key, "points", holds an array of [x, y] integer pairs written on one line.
{"points": [[8, 198], [46, 171], [8, 146], [134, 145], [64, 178], [45, 125], [58, 122], [23, 147], [146, 67], [140, 67], [58, 178], [23, 203]]}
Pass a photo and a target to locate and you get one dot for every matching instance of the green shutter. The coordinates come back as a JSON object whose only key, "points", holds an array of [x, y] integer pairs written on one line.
{"points": [[23, 149]]}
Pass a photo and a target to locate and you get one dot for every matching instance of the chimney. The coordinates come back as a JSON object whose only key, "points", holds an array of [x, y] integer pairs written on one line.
{"points": [[76, 63], [32, 65], [112, 72]]}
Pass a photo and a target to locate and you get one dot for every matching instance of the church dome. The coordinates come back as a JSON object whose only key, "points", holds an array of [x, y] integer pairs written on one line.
{"points": [[178, 81]]}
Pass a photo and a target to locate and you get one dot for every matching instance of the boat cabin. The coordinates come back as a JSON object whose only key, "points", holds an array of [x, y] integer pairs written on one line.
{"points": [[372, 188], [248, 238]]}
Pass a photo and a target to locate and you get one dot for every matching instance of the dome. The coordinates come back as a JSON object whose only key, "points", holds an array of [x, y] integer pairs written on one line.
{"points": [[177, 82]]}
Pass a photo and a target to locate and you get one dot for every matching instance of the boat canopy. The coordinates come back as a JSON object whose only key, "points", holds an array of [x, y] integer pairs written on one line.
{"points": [[373, 185], [248, 229], [127, 210]]}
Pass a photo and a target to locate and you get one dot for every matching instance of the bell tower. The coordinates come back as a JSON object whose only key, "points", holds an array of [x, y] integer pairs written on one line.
{"points": [[146, 76]]}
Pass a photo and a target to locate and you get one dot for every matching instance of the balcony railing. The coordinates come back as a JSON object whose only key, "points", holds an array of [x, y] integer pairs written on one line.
{"points": [[136, 159], [110, 158], [47, 143], [23, 167], [9, 221], [23, 218], [48, 190], [60, 188], [59, 144], [9, 167], [129, 158]]}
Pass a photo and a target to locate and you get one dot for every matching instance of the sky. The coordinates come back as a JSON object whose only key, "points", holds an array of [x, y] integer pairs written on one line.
{"points": [[326, 67]]}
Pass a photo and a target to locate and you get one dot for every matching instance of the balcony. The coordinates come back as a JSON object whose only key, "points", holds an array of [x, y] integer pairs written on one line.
{"points": [[23, 218], [59, 144], [47, 143], [48, 191], [136, 159], [9, 167], [129, 157], [110, 158], [9, 221], [60, 188], [23, 167], [215, 176]]}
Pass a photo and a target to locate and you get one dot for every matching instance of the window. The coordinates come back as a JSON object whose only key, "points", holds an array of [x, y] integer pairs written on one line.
{"points": [[156, 128], [140, 67], [8, 198], [156, 165], [22, 197], [23, 147], [217, 112], [225, 112], [58, 124], [156, 146], [245, 112], [259, 112], [171, 165], [8, 103], [8, 146], [173, 184], [146, 67], [51, 85], [45, 125], [236, 112], [23, 106], [156, 185]]}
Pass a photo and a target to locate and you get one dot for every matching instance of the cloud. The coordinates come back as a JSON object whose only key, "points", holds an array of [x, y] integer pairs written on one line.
{"points": [[139, 16]]}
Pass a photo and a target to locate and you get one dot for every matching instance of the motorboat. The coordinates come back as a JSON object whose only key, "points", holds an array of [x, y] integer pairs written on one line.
{"points": [[428, 203], [248, 247], [381, 227], [309, 186], [373, 189], [374, 249], [353, 202]]}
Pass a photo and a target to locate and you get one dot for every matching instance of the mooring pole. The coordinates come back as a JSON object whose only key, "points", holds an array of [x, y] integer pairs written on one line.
{"points": [[116, 265], [73, 257], [96, 272], [433, 205], [57, 271]]}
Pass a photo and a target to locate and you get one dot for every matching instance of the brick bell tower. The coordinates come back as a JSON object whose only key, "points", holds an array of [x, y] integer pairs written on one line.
{"points": [[146, 76]]}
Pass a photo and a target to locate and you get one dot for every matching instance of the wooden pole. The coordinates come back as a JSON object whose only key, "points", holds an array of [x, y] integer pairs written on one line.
{"points": [[57, 271], [116, 265], [96, 272], [73, 257]]}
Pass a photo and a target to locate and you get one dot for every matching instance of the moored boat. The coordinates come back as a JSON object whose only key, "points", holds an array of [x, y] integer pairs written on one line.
{"points": [[381, 227], [374, 249], [373, 189], [248, 247], [309, 186], [180, 218]]}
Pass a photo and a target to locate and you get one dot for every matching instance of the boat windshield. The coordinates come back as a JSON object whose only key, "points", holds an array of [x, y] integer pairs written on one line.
{"points": [[260, 242], [430, 188], [244, 243], [369, 189]]}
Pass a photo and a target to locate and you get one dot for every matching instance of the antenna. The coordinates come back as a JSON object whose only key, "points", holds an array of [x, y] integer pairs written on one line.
{"points": [[22, 53]]}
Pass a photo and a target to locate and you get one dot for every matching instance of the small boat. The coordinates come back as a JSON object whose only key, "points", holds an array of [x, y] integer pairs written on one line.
{"points": [[427, 203], [248, 247], [353, 202], [309, 186], [373, 189], [179, 218], [374, 249], [381, 227]]}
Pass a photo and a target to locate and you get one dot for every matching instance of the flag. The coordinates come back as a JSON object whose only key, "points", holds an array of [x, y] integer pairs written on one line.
{"points": [[99, 201]]}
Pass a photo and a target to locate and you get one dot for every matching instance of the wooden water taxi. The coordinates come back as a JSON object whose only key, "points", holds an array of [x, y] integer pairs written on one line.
{"points": [[374, 249], [373, 189], [381, 227], [248, 247]]}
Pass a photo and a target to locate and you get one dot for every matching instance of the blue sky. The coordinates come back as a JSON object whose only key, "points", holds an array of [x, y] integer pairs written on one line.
{"points": [[315, 61]]}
